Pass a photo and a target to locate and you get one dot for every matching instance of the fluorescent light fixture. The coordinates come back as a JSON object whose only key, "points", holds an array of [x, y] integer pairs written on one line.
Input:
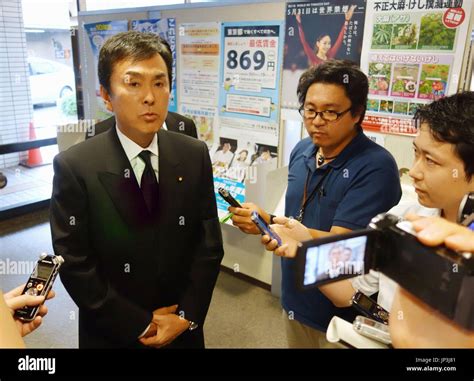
{"points": [[34, 30]]}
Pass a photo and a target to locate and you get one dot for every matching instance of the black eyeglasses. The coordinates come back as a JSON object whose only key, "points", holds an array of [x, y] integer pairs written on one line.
{"points": [[327, 115]]}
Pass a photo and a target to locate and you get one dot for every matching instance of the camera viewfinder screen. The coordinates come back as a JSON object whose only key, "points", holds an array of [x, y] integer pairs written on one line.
{"points": [[335, 259]]}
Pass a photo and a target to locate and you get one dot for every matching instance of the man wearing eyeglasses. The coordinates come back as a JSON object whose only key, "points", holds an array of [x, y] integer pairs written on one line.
{"points": [[338, 180]]}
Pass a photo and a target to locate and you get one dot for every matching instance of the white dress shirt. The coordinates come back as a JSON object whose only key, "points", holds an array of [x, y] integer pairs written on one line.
{"points": [[132, 150]]}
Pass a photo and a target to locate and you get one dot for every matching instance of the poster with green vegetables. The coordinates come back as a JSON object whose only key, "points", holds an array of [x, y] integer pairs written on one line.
{"points": [[413, 55], [434, 35], [404, 36], [405, 80], [381, 36], [433, 81], [396, 32], [379, 78], [414, 31]]}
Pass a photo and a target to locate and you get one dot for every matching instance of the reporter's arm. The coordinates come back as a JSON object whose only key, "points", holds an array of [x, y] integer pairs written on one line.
{"points": [[434, 231], [10, 337], [15, 299], [293, 233], [242, 220], [334, 230], [413, 324], [339, 293]]}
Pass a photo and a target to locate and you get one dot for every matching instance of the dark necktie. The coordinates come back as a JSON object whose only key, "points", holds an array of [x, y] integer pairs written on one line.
{"points": [[149, 184]]}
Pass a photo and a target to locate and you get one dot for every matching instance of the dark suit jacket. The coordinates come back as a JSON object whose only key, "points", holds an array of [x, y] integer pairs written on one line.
{"points": [[174, 122], [120, 262]]}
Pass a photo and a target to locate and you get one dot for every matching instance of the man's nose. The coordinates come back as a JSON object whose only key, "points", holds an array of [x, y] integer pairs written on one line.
{"points": [[318, 120], [415, 171], [149, 97]]}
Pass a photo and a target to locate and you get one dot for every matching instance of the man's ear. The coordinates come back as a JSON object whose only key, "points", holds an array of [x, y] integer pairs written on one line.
{"points": [[106, 97], [358, 115]]}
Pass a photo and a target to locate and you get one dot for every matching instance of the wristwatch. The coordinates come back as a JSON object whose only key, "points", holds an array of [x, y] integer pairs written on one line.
{"points": [[192, 325]]}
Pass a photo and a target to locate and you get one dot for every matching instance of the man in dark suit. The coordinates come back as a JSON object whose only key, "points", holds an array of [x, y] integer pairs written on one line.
{"points": [[174, 122], [133, 212]]}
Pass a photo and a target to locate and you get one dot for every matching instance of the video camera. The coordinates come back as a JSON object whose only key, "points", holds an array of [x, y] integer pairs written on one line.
{"points": [[440, 277]]}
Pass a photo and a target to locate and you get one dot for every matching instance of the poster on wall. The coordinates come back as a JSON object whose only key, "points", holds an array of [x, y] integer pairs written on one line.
{"points": [[248, 103], [99, 33], [166, 29], [413, 56], [315, 32], [205, 119], [199, 60]]}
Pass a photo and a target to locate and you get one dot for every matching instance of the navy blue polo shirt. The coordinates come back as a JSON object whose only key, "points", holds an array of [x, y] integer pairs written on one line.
{"points": [[362, 183]]}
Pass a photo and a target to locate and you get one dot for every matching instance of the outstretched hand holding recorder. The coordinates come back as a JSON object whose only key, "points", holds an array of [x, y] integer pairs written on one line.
{"points": [[40, 283], [16, 300], [265, 229], [255, 217]]}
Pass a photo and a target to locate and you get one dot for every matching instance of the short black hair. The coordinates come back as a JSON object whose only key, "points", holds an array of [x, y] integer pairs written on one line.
{"points": [[451, 120], [133, 45], [344, 73]]}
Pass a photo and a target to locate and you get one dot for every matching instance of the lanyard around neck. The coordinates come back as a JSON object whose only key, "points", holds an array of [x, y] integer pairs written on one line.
{"points": [[307, 199]]}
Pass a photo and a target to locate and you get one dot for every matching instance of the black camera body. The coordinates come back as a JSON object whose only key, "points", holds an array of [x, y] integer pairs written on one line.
{"points": [[440, 277]]}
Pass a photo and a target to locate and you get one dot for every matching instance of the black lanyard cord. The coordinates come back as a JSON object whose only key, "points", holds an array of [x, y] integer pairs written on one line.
{"points": [[306, 200]]}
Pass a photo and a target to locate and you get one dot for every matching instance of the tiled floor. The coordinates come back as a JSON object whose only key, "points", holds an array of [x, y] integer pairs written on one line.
{"points": [[26, 185]]}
